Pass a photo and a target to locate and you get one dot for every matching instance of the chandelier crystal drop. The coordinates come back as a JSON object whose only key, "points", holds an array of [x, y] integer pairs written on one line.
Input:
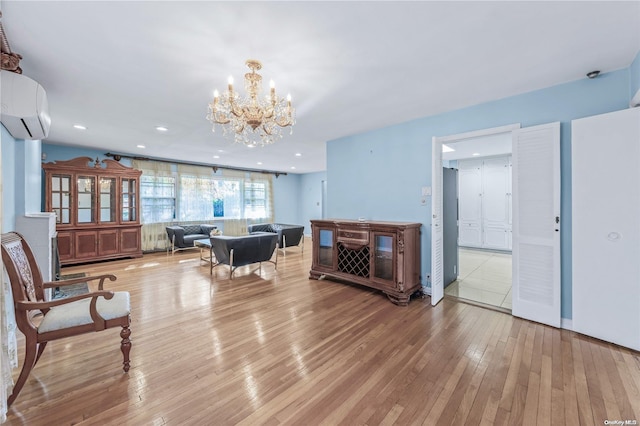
{"points": [[253, 120]]}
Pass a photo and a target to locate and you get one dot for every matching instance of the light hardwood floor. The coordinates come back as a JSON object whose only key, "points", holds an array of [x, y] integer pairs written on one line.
{"points": [[279, 348]]}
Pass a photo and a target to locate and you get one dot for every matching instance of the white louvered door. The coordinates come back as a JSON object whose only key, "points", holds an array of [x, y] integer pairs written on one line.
{"points": [[437, 276], [536, 223]]}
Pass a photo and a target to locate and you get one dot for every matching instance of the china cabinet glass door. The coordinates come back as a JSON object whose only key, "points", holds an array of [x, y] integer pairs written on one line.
{"points": [[61, 198], [85, 206], [108, 199], [129, 207]]}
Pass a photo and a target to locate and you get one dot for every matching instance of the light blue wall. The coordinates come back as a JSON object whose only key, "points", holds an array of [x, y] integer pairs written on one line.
{"points": [[381, 172], [21, 178], [8, 180], [31, 152], [61, 153], [311, 198], [634, 80], [285, 203]]}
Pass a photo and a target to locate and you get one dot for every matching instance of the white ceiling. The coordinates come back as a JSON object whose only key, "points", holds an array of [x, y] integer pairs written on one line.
{"points": [[122, 68], [481, 146]]}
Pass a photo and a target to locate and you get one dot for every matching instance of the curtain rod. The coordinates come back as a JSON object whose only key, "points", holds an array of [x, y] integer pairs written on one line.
{"points": [[215, 168]]}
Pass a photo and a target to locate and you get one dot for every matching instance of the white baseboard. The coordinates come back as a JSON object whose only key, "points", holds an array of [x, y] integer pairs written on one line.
{"points": [[566, 324]]}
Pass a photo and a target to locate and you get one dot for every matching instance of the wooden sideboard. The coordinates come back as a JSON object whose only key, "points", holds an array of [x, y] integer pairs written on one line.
{"points": [[380, 255], [97, 209]]}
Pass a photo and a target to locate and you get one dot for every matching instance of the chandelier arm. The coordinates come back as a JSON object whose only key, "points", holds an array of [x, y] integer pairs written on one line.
{"points": [[237, 111], [284, 121], [221, 119], [239, 126], [218, 117], [269, 113], [266, 130]]}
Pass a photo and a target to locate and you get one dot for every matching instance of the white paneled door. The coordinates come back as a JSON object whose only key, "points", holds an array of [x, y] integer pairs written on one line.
{"points": [[536, 223], [495, 203], [470, 202]]}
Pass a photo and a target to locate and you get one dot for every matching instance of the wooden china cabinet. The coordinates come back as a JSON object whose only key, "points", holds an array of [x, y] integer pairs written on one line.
{"points": [[380, 255], [97, 209]]}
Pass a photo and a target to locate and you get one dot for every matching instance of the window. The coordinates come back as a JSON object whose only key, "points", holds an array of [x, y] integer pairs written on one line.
{"points": [[255, 200], [158, 198], [194, 193], [227, 204], [196, 197]]}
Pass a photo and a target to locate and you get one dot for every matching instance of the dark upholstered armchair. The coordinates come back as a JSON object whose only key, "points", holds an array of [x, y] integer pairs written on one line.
{"points": [[288, 235], [183, 236], [243, 250]]}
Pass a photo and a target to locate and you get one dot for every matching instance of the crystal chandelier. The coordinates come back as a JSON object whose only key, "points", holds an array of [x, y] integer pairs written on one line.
{"points": [[253, 120]]}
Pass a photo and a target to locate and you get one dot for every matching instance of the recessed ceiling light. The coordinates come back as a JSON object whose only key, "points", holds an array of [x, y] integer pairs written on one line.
{"points": [[298, 154], [79, 127], [475, 154], [216, 156], [221, 150], [446, 148], [259, 163], [293, 167], [251, 146], [140, 146], [161, 129]]}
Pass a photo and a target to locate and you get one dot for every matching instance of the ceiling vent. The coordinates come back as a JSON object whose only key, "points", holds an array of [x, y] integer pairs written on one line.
{"points": [[25, 110]]}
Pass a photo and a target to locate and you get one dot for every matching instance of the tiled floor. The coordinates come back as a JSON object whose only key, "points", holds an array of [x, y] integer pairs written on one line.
{"points": [[484, 277]]}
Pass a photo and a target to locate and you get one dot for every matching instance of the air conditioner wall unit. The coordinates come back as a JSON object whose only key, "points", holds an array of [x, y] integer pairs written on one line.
{"points": [[25, 110]]}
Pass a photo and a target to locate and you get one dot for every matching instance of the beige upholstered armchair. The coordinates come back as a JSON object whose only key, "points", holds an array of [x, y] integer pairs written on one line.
{"points": [[93, 311]]}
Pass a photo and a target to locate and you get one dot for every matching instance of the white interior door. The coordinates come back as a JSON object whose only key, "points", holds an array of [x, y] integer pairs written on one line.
{"points": [[536, 223], [437, 279], [605, 169]]}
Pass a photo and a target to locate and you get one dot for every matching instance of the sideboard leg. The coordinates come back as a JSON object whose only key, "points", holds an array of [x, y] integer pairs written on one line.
{"points": [[314, 275], [400, 300]]}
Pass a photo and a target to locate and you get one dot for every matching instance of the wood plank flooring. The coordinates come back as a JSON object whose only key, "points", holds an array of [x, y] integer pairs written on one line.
{"points": [[278, 348]]}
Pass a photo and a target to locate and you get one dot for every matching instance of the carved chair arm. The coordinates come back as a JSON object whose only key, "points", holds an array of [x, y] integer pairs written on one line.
{"points": [[31, 306], [98, 321], [61, 283]]}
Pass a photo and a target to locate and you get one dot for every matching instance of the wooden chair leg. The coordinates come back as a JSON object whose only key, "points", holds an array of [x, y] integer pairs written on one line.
{"points": [[125, 347], [31, 354]]}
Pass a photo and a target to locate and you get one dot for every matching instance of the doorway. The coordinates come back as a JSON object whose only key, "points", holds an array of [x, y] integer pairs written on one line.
{"points": [[477, 223], [536, 230]]}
